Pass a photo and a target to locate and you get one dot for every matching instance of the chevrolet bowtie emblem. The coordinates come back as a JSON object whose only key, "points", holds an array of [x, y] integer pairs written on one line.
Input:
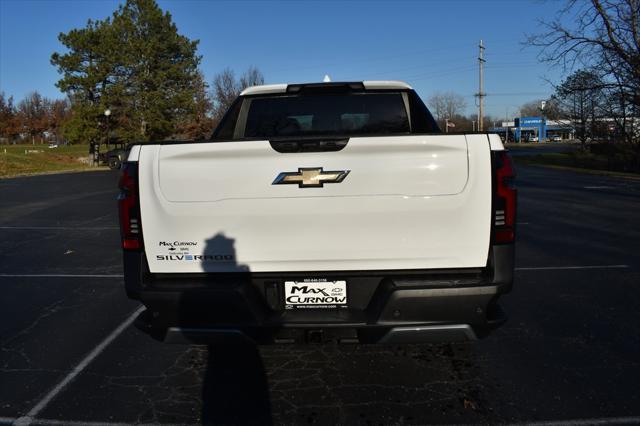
{"points": [[313, 177]]}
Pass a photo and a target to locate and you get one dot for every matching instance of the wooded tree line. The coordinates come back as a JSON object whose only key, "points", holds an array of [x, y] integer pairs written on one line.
{"points": [[37, 119], [594, 109], [598, 43], [32, 119], [449, 107], [136, 65]]}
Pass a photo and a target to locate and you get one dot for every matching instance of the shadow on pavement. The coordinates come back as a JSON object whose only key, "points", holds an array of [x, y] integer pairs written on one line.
{"points": [[235, 389]]}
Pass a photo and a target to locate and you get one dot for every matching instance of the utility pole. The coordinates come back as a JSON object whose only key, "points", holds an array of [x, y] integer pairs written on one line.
{"points": [[481, 93], [543, 131]]}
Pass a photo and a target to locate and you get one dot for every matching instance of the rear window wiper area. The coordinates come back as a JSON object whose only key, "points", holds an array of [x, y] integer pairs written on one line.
{"points": [[330, 111], [323, 114]]}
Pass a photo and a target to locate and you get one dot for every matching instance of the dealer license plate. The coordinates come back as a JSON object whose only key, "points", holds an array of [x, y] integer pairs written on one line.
{"points": [[315, 294]]}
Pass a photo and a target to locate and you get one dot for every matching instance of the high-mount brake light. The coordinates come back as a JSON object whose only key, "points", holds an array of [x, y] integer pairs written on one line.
{"points": [[505, 199], [129, 207]]}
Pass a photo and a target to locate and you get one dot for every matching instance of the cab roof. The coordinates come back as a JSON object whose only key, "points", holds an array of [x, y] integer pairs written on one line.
{"points": [[283, 88]]}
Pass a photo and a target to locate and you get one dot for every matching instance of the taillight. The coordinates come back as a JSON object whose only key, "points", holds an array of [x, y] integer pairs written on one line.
{"points": [[129, 207], [504, 199]]}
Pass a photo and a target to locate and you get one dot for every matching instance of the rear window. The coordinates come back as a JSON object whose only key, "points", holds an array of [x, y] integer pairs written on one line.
{"points": [[334, 114]]}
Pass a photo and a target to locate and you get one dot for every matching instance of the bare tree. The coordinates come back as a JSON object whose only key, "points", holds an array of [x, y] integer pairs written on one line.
{"points": [[32, 114], [602, 36], [551, 110], [9, 126], [58, 112], [446, 106], [199, 124], [581, 98], [226, 88], [251, 77]]}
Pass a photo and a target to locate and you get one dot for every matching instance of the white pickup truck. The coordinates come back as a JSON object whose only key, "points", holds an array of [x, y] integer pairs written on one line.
{"points": [[320, 212]]}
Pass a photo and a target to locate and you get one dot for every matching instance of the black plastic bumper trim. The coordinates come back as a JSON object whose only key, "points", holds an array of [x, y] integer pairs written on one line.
{"points": [[395, 335], [430, 334]]}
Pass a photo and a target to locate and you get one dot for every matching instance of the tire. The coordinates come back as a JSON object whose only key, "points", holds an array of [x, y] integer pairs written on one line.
{"points": [[114, 163]]}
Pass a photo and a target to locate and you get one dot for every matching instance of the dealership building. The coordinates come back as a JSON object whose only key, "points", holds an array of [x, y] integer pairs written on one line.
{"points": [[534, 129]]}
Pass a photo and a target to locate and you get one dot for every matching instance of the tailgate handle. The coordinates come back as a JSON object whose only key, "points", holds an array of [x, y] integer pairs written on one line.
{"points": [[308, 145]]}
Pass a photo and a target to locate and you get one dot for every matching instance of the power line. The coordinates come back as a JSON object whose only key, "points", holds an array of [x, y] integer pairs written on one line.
{"points": [[422, 66], [423, 76], [368, 59], [380, 58], [519, 94]]}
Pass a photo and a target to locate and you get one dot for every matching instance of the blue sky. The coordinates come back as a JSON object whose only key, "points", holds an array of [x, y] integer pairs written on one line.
{"points": [[430, 44]]}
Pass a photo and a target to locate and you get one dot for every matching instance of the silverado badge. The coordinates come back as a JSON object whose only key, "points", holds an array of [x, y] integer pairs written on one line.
{"points": [[313, 177]]}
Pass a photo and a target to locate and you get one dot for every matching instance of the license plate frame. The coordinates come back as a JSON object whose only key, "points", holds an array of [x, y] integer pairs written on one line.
{"points": [[315, 294]]}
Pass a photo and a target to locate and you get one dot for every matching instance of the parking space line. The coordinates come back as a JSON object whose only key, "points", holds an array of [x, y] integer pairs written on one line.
{"points": [[560, 268], [631, 420], [51, 422], [61, 276], [61, 228], [42, 404]]}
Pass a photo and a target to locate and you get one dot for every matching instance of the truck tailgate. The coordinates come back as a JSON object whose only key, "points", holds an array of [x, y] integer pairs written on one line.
{"points": [[407, 202]]}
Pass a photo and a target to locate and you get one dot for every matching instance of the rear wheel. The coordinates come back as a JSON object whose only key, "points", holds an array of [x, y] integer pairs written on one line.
{"points": [[114, 163]]}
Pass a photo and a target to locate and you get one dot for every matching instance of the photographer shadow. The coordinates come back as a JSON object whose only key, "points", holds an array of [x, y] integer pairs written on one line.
{"points": [[235, 388]]}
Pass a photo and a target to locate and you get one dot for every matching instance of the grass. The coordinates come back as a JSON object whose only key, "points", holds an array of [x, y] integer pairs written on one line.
{"points": [[16, 160]]}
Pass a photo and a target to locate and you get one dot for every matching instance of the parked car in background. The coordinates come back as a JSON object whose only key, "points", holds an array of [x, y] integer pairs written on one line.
{"points": [[114, 157], [533, 139], [53, 145], [556, 138]]}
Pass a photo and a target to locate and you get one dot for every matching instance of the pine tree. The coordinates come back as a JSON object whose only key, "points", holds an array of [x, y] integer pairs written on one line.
{"points": [[137, 65]]}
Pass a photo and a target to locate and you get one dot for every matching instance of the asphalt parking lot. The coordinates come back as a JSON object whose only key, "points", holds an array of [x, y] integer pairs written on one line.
{"points": [[570, 351]]}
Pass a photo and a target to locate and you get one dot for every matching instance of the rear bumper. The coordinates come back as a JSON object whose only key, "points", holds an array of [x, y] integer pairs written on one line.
{"points": [[390, 335], [384, 306]]}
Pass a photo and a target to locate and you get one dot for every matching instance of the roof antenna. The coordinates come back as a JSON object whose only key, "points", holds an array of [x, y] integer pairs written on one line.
{"points": [[326, 79]]}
